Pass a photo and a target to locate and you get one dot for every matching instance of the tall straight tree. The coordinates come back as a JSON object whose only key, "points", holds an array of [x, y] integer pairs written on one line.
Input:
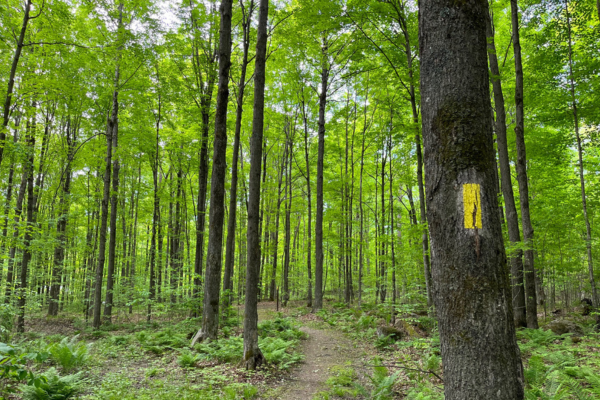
{"points": [[521, 167], [13, 72], [588, 228], [480, 355], [212, 282], [233, 200], [325, 70], [112, 127], [512, 218], [253, 357]]}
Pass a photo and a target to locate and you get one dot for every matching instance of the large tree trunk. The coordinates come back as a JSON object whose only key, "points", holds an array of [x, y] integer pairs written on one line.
{"points": [[512, 218], [231, 223], [11, 77], [253, 357], [212, 283], [318, 304], [480, 355], [588, 228]]}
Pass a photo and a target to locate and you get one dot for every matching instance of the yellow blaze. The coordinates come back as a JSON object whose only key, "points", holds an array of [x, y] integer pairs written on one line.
{"points": [[472, 204]]}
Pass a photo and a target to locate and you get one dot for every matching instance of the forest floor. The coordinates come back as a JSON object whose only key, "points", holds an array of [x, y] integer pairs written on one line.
{"points": [[335, 353]]}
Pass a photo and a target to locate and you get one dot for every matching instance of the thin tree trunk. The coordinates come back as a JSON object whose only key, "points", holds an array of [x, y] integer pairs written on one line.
{"points": [[512, 218], [29, 167], [521, 167], [111, 129], [112, 241], [59, 250], [231, 223], [288, 210], [11, 76], [309, 200], [318, 303], [253, 357], [155, 208], [588, 228], [480, 355]]}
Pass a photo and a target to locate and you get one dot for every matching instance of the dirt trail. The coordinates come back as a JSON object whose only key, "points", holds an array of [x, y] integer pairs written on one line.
{"points": [[322, 350]]}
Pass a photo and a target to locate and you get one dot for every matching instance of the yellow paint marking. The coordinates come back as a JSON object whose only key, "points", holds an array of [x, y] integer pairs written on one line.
{"points": [[472, 204]]}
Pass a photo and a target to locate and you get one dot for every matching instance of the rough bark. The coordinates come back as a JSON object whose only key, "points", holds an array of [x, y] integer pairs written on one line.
{"points": [[470, 281], [253, 357], [212, 288], [512, 218]]}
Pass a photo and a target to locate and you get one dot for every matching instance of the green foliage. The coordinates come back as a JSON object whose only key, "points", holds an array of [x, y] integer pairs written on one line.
{"points": [[7, 318], [69, 353], [161, 341], [14, 369], [54, 387], [342, 383], [382, 382], [187, 359]]}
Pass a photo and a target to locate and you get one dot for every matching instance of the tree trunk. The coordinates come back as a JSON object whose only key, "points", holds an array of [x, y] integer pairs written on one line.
{"points": [[59, 250], [288, 210], [155, 209], [318, 304], [11, 77], [111, 129], [521, 167], [309, 200], [212, 288], [253, 357], [231, 223], [112, 241], [588, 228], [512, 218], [29, 167], [471, 290]]}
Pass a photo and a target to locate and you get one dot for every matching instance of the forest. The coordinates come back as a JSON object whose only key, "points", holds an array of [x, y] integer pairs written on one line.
{"points": [[299, 199]]}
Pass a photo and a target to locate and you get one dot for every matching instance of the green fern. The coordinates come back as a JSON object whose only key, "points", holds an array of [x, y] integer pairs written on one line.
{"points": [[54, 387], [69, 353]]}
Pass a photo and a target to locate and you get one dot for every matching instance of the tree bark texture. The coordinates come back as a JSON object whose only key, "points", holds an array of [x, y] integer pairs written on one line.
{"points": [[253, 357], [481, 359], [212, 283]]}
